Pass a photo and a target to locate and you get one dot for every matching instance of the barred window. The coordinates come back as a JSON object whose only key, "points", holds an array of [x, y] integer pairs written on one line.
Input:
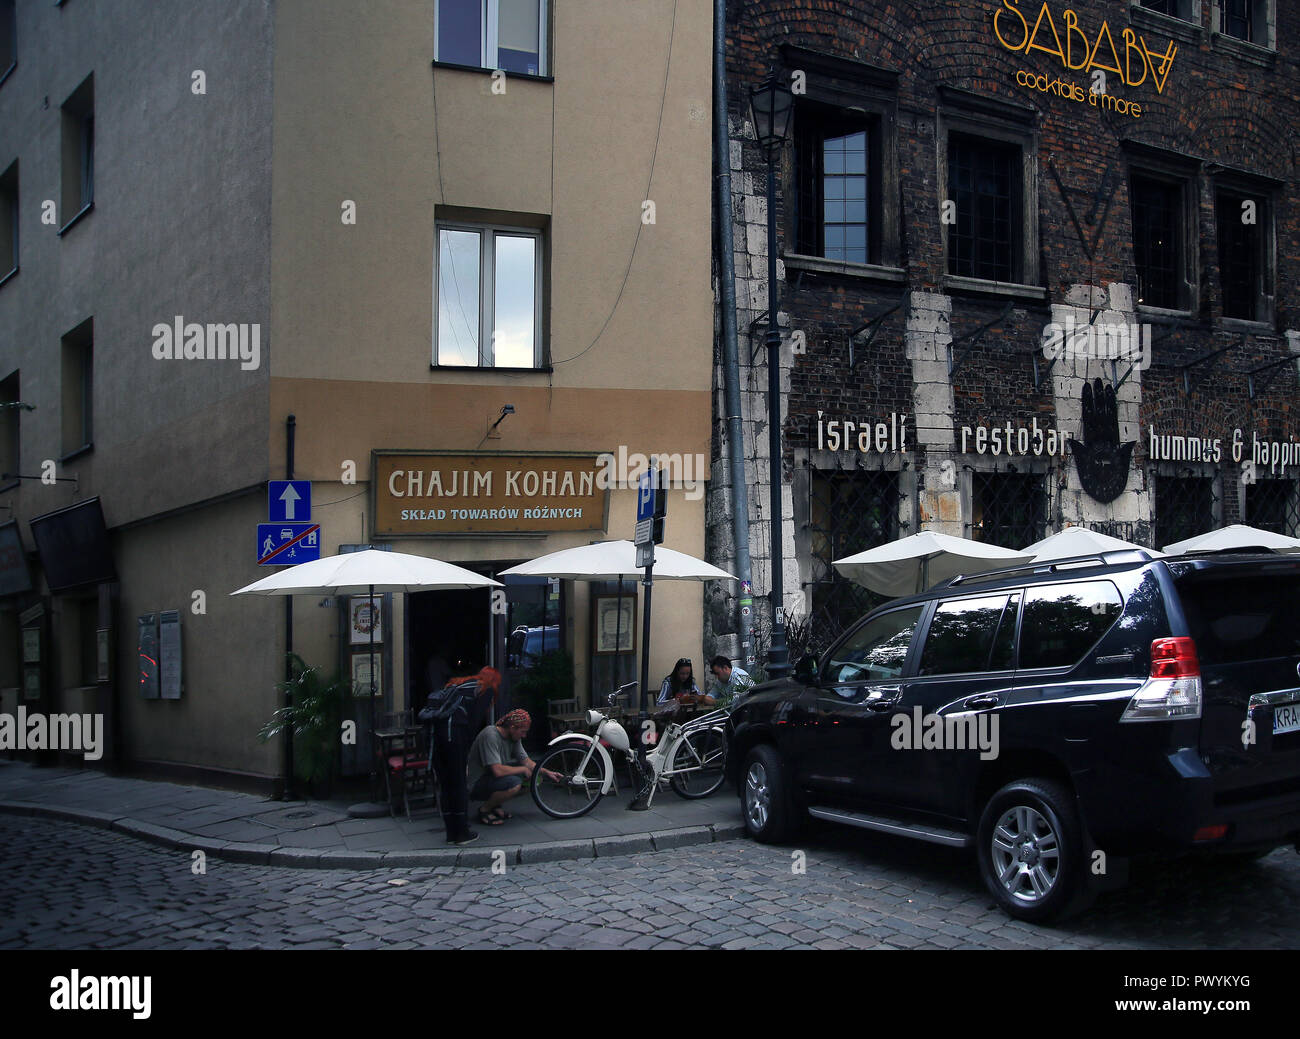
{"points": [[1184, 508], [1158, 240], [1274, 505], [984, 182], [1008, 509], [1243, 224], [848, 513]]}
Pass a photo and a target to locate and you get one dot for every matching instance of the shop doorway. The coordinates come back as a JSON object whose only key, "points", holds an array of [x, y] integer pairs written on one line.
{"points": [[448, 633]]}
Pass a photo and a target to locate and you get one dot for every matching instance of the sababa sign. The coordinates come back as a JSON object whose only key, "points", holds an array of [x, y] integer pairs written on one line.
{"points": [[1077, 49]]}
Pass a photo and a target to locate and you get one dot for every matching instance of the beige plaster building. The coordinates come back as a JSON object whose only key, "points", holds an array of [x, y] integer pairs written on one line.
{"points": [[397, 223]]}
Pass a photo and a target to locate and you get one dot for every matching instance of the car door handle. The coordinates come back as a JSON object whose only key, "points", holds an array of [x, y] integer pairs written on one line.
{"points": [[983, 700]]}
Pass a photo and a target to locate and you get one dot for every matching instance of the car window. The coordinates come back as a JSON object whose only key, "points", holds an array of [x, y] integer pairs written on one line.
{"points": [[1004, 644], [961, 635], [1063, 621], [876, 651], [1246, 618]]}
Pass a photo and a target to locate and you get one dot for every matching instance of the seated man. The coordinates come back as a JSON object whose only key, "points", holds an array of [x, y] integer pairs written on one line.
{"points": [[498, 765], [733, 682]]}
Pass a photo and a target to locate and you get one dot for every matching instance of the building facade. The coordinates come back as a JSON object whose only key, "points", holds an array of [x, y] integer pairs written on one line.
{"points": [[463, 244], [1037, 268]]}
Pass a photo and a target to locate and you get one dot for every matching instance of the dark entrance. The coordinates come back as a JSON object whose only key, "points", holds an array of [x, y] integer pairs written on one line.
{"points": [[455, 626]]}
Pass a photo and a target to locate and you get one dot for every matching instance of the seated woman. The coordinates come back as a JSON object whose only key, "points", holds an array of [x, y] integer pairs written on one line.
{"points": [[680, 687]]}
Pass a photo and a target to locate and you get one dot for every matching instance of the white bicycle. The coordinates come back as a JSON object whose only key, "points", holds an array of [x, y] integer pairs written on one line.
{"points": [[692, 757]]}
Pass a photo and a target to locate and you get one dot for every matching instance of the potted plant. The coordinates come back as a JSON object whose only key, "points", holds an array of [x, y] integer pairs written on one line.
{"points": [[315, 717], [551, 678]]}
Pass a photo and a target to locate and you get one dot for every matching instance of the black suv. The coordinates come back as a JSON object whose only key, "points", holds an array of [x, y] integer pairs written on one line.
{"points": [[1061, 718]]}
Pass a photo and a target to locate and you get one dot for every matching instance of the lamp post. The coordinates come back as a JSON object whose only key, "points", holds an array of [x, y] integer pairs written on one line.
{"points": [[770, 106]]}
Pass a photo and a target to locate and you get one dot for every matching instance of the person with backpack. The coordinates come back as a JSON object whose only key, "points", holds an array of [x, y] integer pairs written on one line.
{"points": [[454, 714]]}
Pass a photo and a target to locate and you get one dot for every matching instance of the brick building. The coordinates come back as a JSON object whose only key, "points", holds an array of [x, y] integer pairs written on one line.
{"points": [[1037, 267]]}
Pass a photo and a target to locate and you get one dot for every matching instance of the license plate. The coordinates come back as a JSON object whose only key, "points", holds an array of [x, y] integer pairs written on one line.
{"points": [[1286, 718]]}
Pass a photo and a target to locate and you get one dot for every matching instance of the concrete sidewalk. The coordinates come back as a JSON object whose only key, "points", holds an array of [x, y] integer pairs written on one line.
{"points": [[321, 834]]}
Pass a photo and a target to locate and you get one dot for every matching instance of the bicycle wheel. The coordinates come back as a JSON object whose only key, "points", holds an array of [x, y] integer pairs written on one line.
{"points": [[699, 763], [579, 789]]}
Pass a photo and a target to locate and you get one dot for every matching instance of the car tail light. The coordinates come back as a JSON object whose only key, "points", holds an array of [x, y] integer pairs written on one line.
{"points": [[1174, 688], [1211, 833]]}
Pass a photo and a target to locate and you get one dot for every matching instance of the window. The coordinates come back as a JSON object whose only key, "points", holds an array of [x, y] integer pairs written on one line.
{"points": [[10, 455], [844, 169], [1158, 241], [984, 182], [78, 388], [1008, 509], [487, 297], [1248, 20], [876, 651], [838, 197], [492, 34], [1244, 619], [78, 152], [9, 220], [1274, 505], [8, 38], [961, 635], [1244, 225], [1184, 508], [1184, 9], [848, 513], [1063, 622]]}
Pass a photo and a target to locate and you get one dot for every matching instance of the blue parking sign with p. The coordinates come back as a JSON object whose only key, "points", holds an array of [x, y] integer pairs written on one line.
{"points": [[645, 496]]}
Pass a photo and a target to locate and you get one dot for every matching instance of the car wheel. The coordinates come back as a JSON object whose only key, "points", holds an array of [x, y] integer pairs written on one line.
{"points": [[765, 801], [1031, 850]]}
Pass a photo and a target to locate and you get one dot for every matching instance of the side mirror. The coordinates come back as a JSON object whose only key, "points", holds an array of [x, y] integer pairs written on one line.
{"points": [[805, 670]]}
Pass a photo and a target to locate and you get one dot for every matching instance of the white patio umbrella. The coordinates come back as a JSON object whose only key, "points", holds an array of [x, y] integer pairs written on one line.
{"points": [[364, 573], [910, 565], [613, 561], [1237, 537], [1078, 541]]}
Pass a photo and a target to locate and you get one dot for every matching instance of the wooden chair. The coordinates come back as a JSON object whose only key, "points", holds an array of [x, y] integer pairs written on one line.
{"points": [[407, 769], [563, 715]]}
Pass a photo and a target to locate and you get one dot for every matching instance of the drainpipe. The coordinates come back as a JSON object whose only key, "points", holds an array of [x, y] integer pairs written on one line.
{"points": [[731, 360]]}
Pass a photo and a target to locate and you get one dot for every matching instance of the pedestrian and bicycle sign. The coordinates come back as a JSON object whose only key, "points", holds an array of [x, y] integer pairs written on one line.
{"points": [[285, 544], [288, 539]]}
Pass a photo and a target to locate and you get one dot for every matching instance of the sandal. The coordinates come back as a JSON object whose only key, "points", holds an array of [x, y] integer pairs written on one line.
{"points": [[502, 814], [489, 818]]}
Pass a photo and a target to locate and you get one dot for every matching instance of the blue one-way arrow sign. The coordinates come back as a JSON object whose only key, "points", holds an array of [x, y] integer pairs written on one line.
{"points": [[288, 501]]}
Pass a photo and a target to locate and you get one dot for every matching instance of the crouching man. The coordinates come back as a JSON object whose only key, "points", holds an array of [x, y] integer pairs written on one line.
{"points": [[499, 765]]}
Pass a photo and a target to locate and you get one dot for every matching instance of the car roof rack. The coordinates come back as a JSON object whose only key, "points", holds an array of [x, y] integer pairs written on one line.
{"points": [[1051, 566]]}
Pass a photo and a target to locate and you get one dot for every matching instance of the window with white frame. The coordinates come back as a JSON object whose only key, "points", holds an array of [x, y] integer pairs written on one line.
{"points": [[492, 34], [488, 296], [1247, 20]]}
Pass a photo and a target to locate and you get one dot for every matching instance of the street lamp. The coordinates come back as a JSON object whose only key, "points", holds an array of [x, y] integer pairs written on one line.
{"points": [[770, 105]]}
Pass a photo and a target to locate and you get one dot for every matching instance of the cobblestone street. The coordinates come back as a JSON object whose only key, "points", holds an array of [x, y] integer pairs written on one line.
{"points": [[69, 886]]}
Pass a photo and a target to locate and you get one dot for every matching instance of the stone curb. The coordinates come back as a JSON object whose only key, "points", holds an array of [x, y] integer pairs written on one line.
{"points": [[475, 856]]}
